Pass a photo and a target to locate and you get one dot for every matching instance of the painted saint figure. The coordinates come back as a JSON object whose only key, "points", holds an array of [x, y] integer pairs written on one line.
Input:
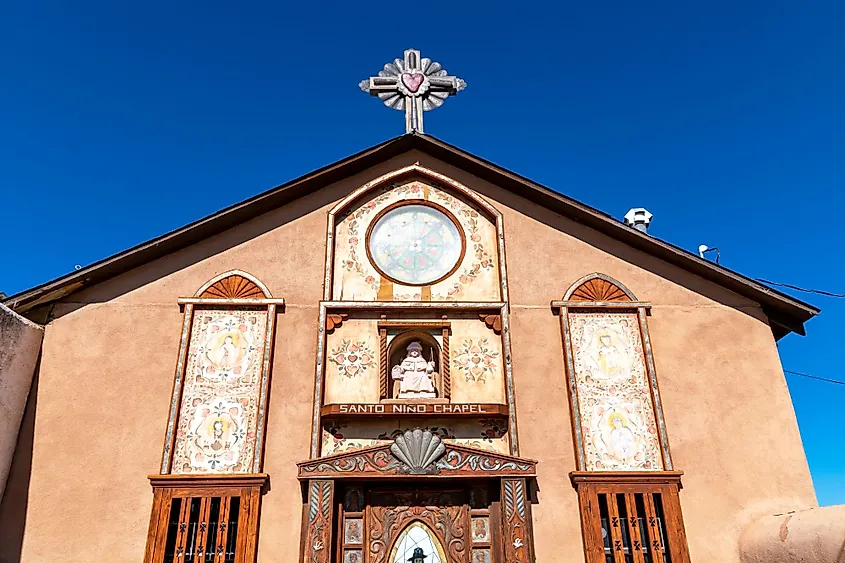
{"points": [[480, 532], [226, 355], [623, 444], [607, 352], [608, 355], [415, 375], [219, 440]]}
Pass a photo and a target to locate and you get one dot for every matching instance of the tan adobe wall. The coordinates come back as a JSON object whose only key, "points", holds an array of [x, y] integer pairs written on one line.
{"points": [[20, 343], [109, 355], [815, 535]]}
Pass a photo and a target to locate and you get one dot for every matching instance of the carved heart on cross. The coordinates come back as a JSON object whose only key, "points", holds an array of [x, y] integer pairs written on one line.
{"points": [[413, 81]]}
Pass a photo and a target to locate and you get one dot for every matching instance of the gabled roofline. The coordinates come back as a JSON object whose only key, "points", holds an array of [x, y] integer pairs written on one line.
{"points": [[786, 314]]}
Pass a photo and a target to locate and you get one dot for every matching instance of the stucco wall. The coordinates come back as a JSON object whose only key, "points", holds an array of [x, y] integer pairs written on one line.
{"points": [[109, 354], [20, 342], [815, 535]]}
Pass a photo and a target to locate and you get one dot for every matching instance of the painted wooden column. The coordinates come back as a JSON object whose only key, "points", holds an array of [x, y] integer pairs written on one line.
{"points": [[318, 522], [516, 522]]}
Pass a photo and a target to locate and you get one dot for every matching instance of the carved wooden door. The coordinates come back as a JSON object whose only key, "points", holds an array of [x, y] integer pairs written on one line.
{"points": [[449, 525]]}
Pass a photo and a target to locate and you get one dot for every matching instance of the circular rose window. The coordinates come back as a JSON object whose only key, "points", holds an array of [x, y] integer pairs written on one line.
{"points": [[415, 244]]}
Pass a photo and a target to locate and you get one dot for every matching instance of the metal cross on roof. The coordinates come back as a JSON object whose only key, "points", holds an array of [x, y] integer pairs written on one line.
{"points": [[414, 85]]}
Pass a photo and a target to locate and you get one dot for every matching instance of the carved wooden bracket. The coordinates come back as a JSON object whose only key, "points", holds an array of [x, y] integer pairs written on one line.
{"points": [[334, 320], [492, 321]]}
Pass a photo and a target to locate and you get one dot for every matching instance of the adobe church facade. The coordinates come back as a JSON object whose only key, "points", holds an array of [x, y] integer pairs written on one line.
{"points": [[411, 354]]}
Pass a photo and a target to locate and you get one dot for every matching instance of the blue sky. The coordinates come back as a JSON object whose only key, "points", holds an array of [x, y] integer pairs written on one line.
{"points": [[725, 119]]}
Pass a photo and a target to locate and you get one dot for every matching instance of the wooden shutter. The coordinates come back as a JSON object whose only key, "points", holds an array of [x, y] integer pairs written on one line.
{"points": [[631, 518], [204, 520]]}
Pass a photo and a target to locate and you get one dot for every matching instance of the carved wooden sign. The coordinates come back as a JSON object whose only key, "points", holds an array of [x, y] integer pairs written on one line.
{"points": [[393, 409]]}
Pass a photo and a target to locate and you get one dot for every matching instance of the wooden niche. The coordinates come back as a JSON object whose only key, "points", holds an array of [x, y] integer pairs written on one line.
{"points": [[206, 499], [395, 336]]}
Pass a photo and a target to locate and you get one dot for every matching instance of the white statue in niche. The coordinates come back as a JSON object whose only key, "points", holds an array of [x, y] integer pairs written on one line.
{"points": [[415, 374]]}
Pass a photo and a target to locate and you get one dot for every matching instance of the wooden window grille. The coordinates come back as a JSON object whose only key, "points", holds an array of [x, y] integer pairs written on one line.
{"points": [[631, 519], [203, 520]]}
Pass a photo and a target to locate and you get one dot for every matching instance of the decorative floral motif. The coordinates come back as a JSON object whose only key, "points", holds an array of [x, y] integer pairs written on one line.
{"points": [[617, 417], [443, 433], [492, 429], [483, 259], [342, 435], [334, 441], [352, 262], [352, 358], [476, 359]]}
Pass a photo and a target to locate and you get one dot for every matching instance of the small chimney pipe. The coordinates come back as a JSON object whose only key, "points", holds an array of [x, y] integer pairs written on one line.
{"points": [[639, 218]]}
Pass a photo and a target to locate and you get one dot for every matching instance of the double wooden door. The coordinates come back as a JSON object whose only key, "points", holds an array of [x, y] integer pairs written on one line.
{"points": [[450, 523]]}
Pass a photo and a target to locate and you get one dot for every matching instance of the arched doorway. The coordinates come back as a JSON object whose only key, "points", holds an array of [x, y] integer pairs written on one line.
{"points": [[418, 542]]}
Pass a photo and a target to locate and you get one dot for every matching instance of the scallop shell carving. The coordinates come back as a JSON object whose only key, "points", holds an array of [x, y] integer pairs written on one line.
{"points": [[418, 450]]}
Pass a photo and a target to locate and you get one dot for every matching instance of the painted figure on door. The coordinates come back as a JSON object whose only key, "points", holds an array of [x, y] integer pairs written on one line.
{"points": [[415, 374]]}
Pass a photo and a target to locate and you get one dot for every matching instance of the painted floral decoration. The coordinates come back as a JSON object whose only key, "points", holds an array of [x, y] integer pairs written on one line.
{"points": [[352, 358], [352, 262], [440, 431], [476, 359], [492, 429], [483, 259]]}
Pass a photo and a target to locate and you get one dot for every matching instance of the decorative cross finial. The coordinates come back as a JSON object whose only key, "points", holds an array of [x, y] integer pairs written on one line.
{"points": [[414, 85]]}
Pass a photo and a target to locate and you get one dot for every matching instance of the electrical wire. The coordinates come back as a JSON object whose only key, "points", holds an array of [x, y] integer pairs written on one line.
{"points": [[814, 377], [796, 288]]}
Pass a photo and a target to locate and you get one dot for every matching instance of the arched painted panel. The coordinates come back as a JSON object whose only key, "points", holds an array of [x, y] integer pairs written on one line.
{"points": [[234, 284], [598, 288]]}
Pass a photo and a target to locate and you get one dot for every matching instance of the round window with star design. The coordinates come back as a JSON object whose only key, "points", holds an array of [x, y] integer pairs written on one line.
{"points": [[415, 243]]}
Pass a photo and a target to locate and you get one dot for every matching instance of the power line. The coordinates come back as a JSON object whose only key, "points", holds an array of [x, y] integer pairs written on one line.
{"points": [[796, 288], [814, 377]]}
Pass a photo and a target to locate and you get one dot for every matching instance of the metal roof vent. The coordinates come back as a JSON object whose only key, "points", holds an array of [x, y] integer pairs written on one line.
{"points": [[639, 218]]}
